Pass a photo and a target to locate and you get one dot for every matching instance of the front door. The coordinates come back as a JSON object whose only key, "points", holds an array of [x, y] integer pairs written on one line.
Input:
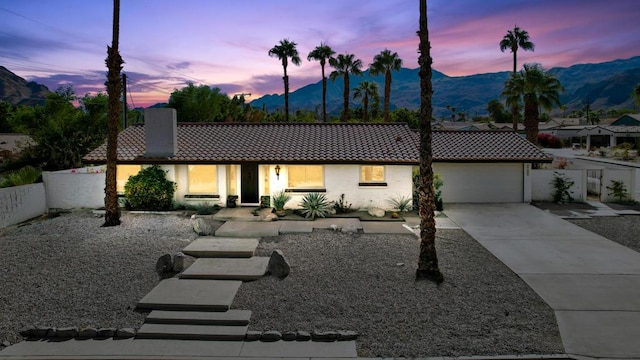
{"points": [[249, 183]]}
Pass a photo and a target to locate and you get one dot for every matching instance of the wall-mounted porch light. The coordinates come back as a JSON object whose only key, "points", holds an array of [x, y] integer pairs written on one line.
{"points": [[277, 172]]}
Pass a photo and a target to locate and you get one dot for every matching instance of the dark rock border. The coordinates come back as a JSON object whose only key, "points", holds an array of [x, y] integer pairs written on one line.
{"points": [[300, 335]]}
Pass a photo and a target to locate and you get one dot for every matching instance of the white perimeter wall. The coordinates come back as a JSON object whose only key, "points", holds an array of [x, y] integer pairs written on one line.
{"points": [[542, 184], [75, 188], [628, 177], [481, 182], [21, 203]]}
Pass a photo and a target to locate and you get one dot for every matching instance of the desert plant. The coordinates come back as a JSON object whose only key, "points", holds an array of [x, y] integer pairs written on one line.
{"points": [[280, 199], [150, 190], [23, 176], [206, 208], [401, 203], [562, 188], [619, 190], [315, 205], [342, 206]]}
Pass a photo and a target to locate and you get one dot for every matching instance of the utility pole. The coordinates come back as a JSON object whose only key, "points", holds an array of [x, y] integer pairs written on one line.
{"points": [[588, 116], [125, 119]]}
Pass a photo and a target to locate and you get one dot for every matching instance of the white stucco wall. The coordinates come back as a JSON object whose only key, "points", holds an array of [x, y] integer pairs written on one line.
{"points": [[481, 182], [21, 203], [627, 176], [76, 188], [542, 187]]}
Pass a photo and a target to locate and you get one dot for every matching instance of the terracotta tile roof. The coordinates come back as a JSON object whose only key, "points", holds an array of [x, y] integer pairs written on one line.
{"points": [[319, 143]]}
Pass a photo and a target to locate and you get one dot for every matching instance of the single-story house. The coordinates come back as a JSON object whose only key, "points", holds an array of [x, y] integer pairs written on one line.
{"points": [[368, 162], [609, 136], [627, 120]]}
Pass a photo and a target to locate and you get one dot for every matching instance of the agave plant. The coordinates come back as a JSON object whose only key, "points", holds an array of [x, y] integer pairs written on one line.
{"points": [[315, 205], [401, 203], [279, 200]]}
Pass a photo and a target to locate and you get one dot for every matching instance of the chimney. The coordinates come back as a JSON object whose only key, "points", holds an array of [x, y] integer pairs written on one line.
{"points": [[160, 132]]}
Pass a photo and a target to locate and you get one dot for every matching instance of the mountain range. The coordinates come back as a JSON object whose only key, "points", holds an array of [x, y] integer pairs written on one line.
{"points": [[603, 85], [18, 91]]}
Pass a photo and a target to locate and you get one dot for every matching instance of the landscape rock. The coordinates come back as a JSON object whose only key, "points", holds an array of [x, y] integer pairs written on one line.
{"points": [[51, 333], [350, 229], [67, 332], [163, 266], [26, 331], [289, 336], [5, 344], [87, 333], [253, 335], [278, 265], [271, 335], [324, 336], [40, 331], [376, 212], [204, 226], [106, 332], [269, 217], [302, 335], [177, 264], [347, 335], [125, 333]]}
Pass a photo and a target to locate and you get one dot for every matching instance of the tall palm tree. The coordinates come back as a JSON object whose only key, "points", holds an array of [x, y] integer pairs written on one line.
{"points": [[284, 51], [516, 39], [366, 90], [428, 259], [344, 65], [322, 53], [385, 63], [114, 90], [537, 89]]}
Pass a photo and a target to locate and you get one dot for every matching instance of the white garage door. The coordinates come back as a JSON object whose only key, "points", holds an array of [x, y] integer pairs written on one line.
{"points": [[480, 182]]}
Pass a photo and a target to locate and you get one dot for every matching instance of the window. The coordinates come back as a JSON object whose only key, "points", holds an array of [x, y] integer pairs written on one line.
{"points": [[123, 172], [306, 176], [372, 174], [203, 179]]}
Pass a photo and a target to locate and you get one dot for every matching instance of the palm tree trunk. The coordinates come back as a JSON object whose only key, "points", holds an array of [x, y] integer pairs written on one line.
{"points": [[286, 95], [428, 259], [515, 62], [387, 94], [345, 112], [515, 114], [324, 94], [365, 103], [114, 89], [531, 121]]}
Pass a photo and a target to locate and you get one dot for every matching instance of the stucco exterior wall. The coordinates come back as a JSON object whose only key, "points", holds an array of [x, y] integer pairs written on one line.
{"points": [[481, 182], [542, 187], [21, 203], [76, 188]]}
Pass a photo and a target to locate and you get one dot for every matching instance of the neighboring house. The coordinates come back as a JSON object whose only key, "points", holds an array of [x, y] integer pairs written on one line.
{"points": [[609, 136], [369, 163], [627, 120]]}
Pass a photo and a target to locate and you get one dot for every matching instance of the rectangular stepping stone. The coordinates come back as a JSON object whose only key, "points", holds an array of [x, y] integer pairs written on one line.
{"points": [[191, 332], [227, 269], [197, 295], [213, 246], [229, 318]]}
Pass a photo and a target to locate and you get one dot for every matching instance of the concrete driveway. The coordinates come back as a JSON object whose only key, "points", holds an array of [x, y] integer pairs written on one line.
{"points": [[592, 283]]}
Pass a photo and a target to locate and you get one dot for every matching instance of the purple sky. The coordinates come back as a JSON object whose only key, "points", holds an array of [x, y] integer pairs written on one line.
{"points": [[166, 44]]}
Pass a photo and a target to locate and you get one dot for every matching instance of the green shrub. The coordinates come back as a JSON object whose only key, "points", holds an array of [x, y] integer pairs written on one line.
{"points": [[280, 199], [315, 205], [619, 190], [23, 176], [150, 190], [342, 206], [562, 188], [401, 203]]}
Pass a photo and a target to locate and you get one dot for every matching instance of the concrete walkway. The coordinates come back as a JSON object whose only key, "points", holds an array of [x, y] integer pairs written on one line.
{"points": [[592, 283]]}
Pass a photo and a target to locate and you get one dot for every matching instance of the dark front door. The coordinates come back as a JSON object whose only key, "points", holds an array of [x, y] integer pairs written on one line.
{"points": [[249, 183]]}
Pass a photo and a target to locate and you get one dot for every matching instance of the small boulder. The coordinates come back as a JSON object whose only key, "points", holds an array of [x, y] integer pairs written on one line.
{"points": [[204, 226], [26, 331], [289, 336], [349, 229], [253, 335], [67, 332], [177, 263], [124, 333], [104, 333], [40, 331], [52, 332], [302, 335], [324, 336], [278, 265], [271, 335], [87, 333], [376, 212], [164, 266], [347, 335]]}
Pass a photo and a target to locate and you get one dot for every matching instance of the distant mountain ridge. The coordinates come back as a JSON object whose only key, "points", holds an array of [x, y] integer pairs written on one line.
{"points": [[18, 91], [604, 85]]}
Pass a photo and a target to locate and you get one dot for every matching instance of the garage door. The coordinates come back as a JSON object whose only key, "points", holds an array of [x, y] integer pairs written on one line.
{"points": [[480, 182]]}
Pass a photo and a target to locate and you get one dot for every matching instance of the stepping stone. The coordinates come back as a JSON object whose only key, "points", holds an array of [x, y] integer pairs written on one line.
{"points": [[192, 332], [227, 269], [196, 295], [228, 318], [212, 246]]}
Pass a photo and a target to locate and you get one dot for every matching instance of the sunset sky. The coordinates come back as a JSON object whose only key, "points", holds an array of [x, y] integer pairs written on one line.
{"points": [[166, 44]]}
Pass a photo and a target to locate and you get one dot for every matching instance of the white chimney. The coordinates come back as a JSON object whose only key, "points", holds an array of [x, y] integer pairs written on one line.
{"points": [[160, 132]]}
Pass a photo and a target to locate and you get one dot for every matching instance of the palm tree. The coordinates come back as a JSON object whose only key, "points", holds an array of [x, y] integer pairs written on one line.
{"points": [[385, 63], [344, 65], [514, 40], [428, 259], [536, 88], [366, 90], [114, 90], [322, 53], [284, 50]]}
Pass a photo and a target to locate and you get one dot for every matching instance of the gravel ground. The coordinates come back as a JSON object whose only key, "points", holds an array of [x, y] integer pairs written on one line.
{"points": [[622, 229], [356, 282], [69, 271]]}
